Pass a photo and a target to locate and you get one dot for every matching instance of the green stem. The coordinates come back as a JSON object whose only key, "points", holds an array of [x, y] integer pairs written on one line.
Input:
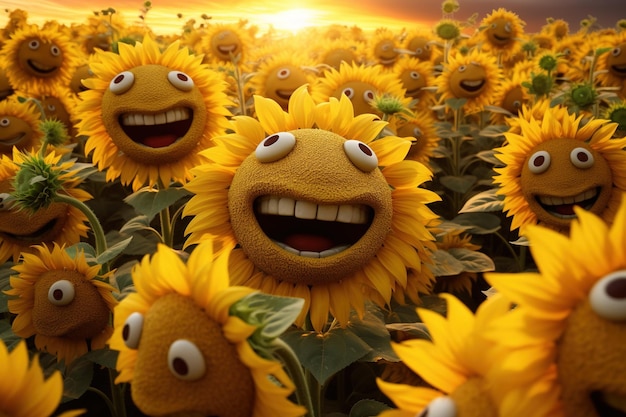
{"points": [[289, 359], [117, 392], [166, 225], [240, 87], [106, 400], [510, 248]]}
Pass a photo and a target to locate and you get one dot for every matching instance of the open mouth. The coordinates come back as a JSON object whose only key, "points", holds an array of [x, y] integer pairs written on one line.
{"points": [[501, 38], [472, 86], [226, 49], [563, 207], [34, 237], [307, 229], [13, 140], [157, 130], [387, 61], [38, 67], [608, 405], [619, 69], [284, 94]]}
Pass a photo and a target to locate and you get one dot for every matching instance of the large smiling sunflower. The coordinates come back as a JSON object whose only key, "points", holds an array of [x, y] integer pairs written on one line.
{"points": [[185, 352], [557, 163], [578, 304], [37, 60], [62, 301], [319, 209], [148, 114]]}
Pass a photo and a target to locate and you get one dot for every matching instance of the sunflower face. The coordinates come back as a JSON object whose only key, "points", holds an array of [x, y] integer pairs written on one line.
{"points": [[23, 229], [616, 61], [282, 81], [562, 173], [468, 81], [225, 44], [421, 48], [413, 82], [39, 58], [154, 114], [360, 93], [80, 73], [315, 228], [54, 108], [334, 57], [500, 32], [16, 132], [180, 350], [5, 85], [385, 52], [513, 100]]}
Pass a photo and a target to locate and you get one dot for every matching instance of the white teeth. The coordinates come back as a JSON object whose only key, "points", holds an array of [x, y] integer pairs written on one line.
{"points": [[141, 119], [472, 83], [557, 201], [309, 254], [344, 213]]}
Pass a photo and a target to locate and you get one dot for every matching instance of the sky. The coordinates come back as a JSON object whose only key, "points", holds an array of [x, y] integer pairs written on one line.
{"points": [[292, 14]]}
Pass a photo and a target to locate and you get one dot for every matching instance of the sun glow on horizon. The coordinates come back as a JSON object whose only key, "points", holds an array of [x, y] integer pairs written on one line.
{"points": [[291, 20]]}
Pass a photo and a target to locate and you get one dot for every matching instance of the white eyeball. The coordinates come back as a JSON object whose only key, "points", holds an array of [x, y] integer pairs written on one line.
{"points": [[51, 108], [439, 407], [608, 296], [508, 27], [539, 162], [361, 155], [180, 80], [122, 82], [61, 293], [368, 95], [419, 51], [5, 122], [55, 50], [33, 44], [581, 158], [6, 201], [461, 68], [349, 92], [616, 51], [275, 147], [185, 360], [131, 332], [283, 73], [414, 75]]}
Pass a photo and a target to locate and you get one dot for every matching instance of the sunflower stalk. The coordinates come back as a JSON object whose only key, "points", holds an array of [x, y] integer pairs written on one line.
{"points": [[167, 237]]}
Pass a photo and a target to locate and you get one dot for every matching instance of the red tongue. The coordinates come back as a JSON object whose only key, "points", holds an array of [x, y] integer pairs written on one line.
{"points": [[309, 243], [564, 209], [159, 141]]}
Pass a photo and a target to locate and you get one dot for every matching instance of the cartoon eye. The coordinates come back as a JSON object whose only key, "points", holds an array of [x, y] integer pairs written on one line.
{"points": [[51, 108], [439, 407], [493, 26], [368, 95], [581, 158], [608, 296], [507, 27], [414, 75], [122, 82], [517, 104], [61, 293], [222, 35], [417, 132], [275, 147], [349, 92], [180, 80], [419, 51], [567, 52], [462, 68], [6, 201], [283, 73], [55, 50], [131, 332], [185, 360], [33, 44], [539, 162], [5, 122], [616, 51], [386, 47], [361, 155]]}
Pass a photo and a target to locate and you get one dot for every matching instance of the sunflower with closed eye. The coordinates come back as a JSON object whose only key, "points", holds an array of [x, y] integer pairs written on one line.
{"points": [[62, 301], [314, 206], [557, 163], [148, 114]]}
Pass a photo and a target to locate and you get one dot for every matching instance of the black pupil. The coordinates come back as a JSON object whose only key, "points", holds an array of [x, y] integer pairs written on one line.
{"points": [[119, 79], [271, 140], [582, 157], [182, 77], [539, 160], [365, 149], [126, 332], [57, 294], [180, 366], [617, 288]]}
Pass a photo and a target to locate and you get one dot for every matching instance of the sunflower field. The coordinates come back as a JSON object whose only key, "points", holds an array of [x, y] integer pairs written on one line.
{"points": [[333, 222]]}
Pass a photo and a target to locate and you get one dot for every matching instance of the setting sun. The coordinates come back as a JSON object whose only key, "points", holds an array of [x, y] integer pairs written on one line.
{"points": [[291, 20]]}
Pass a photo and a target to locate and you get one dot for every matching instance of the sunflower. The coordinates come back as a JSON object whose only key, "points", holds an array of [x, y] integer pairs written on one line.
{"points": [[415, 76], [23, 390], [183, 312], [333, 53], [333, 268], [361, 84], [470, 372], [474, 76], [611, 66], [147, 114], [462, 282], [572, 302], [423, 45], [37, 60], [420, 130], [223, 43], [557, 163], [62, 301], [19, 126], [501, 33], [383, 48], [511, 95], [59, 222]]}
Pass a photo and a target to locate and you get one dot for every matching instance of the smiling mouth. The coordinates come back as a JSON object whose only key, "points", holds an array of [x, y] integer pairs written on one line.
{"points": [[620, 69], [307, 229], [501, 38], [563, 207], [12, 141], [609, 405], [157, 130], [37, 67], [472, 86], [34, 237], [284, 94], [226, 49]]}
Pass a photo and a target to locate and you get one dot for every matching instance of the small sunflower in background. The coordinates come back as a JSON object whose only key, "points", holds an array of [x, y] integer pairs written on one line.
{"points": [[511, 96], [416, 75], [422, 44], [60, 105], [62, 301], [186, 348], [6, 89], [20, 228], [333, 53], [224, 44], [147, 114], [314, 216], [19, 126], [502, 31], [611, 65], [383, 47], [24, 388], [37, 60], [616, 113], [474, 76], [361, 84], [420, 129], [558, 163]]}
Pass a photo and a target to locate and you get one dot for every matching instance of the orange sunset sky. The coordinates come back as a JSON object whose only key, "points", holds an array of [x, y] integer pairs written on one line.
{"points": [[294, 14]]}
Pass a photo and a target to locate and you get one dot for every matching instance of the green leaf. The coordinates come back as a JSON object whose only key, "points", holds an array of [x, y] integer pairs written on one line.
{"points": [[456, 103], [113, 251], [479, 223], [373, 331], [489, 156], [417, 330], [444, 264], [497, 109], [326, 354], [103, 357], [141, 222], [150, 202], [483, 202], [9, 338], [5, 284], [458, 184], [86, 248], [472, 261], [77, 379], [368, 408]]}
